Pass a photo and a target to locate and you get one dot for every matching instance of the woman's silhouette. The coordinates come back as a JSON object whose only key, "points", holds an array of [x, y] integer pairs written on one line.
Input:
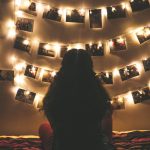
{"points": [[75, 104]]}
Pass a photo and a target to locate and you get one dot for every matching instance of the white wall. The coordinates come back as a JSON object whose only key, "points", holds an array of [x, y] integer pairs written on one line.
{"points": [[19, 118]]}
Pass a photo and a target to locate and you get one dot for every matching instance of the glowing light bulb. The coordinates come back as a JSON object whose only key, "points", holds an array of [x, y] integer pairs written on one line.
{"points": [[78, 46], [20, 67], [107, 74], [47, 47], [120, 40], [111, 43], [40, 7], [129, 98], [35, 41], [10, 24], [26, 42], [53, 74], [60, 11], [18, 2], [19, 13], [82, 11], [123, 5], [11, 33], [104, 11], [26, 93], [113, 9], [140, 32], [116, 72], [19, 79], [13, 59], [42, 73], [100, 44], [120, 99], [147, 32], [27, 3], [69, 12]]}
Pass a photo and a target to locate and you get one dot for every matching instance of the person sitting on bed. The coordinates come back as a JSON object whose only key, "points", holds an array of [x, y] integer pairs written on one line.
{"points": [[75, 106]]}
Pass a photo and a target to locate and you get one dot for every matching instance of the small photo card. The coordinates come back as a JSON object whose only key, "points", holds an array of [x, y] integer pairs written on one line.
{"points": [[117, 44], [141, 95], [143, 35], [77, 16], [31, 71], [138, 5], [24, 24], [95, 49], [128, 72], [114, 12], [105, 77], [46, 49], [22, 44], [54, 14], [29, 7], [25, 96], [146, 64], [6, 75], [118, 103], [63, 50], [47, 76], [95, 16]]}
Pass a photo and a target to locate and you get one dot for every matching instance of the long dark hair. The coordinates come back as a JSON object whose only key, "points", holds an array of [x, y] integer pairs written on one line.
{"points": [[76, 90]]}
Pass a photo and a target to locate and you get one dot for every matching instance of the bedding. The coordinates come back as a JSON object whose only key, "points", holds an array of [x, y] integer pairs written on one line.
{"points": [[131, 140]]}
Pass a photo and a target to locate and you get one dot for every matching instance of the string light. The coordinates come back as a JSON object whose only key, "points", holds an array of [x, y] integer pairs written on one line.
{"points": [[19, 13], [18, 2], [26, 42], [11, 33], [47, 46], [53, 74], [113, 9], [19, 79], [20, 66], [82, 12]]}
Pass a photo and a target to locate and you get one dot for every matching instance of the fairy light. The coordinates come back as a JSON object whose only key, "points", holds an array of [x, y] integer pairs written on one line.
{"points": [[60, 12], [104, 11], [116, 72], [42, 73], [120, 99], [47, 47], [11, 29], [120, 40], [13, 59], [19, 79], [129, 98], [40, 7], [107, 74], [19, 13], [53, 74], [48, 7], [100, 44], [123, 5], [57, 48], [113, 9], [10, 24], [18, 2], [69, 11], [38, 100], [11, 33], [26, 42], [111, 43], [20, 66], [26, 93], [147, 32], [26, 3], [14, 89], [82, 12], [35, 41]]}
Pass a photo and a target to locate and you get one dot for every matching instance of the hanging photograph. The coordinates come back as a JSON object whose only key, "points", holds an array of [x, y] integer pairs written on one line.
{"points": [[63, 50], [114, 12], [105, 77], [143, 35], [138, 5], [77, 16], [118, 103], [54, 14], [117, 44], [141, 95], [47, 76], [6, 75], [29, 7], [25, 24], [22, 44], [128, 72], [46, 49], [25, 96], [31, 71], [146, 64], [95, 49], [95, 17]]}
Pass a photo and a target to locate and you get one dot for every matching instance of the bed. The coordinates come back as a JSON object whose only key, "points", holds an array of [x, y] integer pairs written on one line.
{"points": [[131, 140]]}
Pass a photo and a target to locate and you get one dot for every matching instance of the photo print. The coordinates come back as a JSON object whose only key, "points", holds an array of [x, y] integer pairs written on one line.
{"points": [[22, 44], [146, 64], [6, 75], [105, 77], [46, 49], [47, 76], [54, 14], [143, 35], [63, 50], [95, 17], [31, 71], [29, 7], [25, 96], [77, 16], [141, 95], [128, 72], [118, 103], [95, 49], [117, 44], [25, 24], [114, 12], [138, 5]]}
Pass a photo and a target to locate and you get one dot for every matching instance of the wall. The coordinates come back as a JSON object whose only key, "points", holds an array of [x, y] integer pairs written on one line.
{"points": [[20, 118]]}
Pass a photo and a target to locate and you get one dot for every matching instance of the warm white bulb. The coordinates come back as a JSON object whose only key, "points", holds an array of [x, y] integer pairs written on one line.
{"points": [[19, 13], [47, 47], [18, 2], [19, 79], [26, 42], [10, 24], [11, 33], [53, 74], [82, 11]]}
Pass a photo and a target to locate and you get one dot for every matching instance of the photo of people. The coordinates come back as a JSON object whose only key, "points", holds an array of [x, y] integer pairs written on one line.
{"points": [[117, 44], [128, 72], [75, 15], [146, 64], [53, 14], [138, 5], [46, 49], [47, 76], [141, 95], [31, 71], [105, 77], [143, 35], [118, 103], [22, 44], [117, 11], [95, 17], [24, 24], [25, 96], [95, 49], [6, 75]]}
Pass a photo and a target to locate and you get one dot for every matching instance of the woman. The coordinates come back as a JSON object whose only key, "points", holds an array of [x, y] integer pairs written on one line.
{"points": [[75, 106]]}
